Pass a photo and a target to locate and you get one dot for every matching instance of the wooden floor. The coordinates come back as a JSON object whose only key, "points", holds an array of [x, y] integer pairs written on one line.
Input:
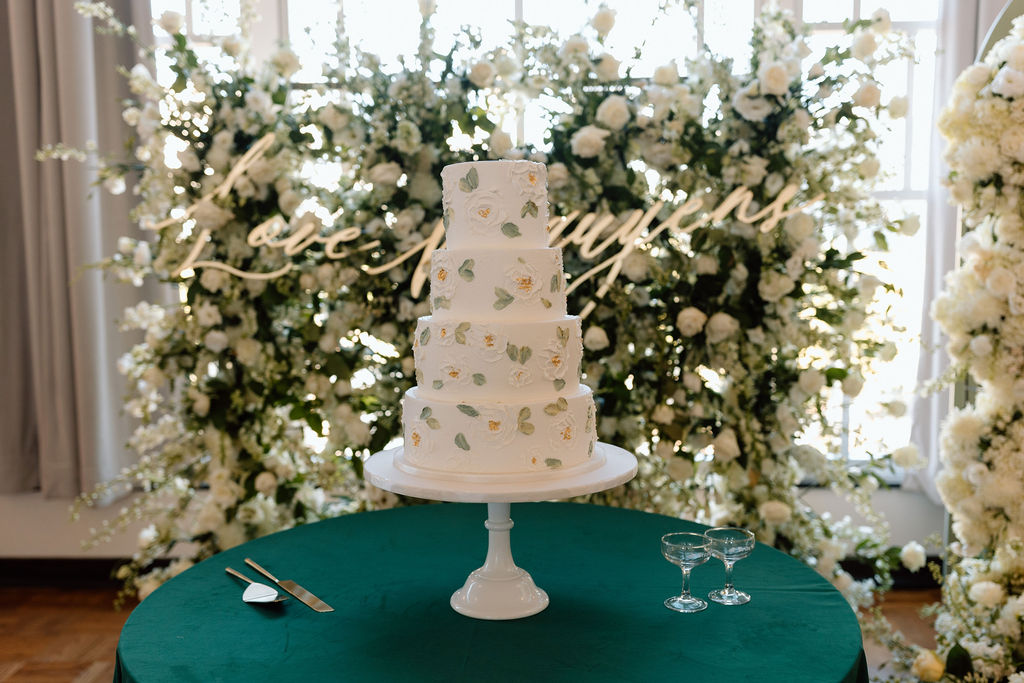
{"points": [[60, 635]]}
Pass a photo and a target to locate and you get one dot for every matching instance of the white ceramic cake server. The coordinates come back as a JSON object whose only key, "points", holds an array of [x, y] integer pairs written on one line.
{"points": [[256, 592]]}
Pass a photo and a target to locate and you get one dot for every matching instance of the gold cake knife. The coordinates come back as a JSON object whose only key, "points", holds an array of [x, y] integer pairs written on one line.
{"points": [[295, 589]]}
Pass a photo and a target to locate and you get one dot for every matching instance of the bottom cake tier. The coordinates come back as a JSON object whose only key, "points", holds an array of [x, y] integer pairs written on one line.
{"points": [[488, 437]]}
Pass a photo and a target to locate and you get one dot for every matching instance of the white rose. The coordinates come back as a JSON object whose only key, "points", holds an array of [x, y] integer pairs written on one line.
{"points": [[558, 175], [482, 74], [912, 556], [248, 350], [171, 22], [705, 264], [595, 338], [607, 68], [613, 112], [232, 46], [799, 227], [882, 21], [690, 321], [663, 414], [285, 62], [928, 667], [720, 327], [1008, 82], [811, 381], [869, 167], [774, 512], [603, 21], [986, 593], [907, 457], [750, 106], [896, 408], [636, 266], [910, 225], [725, 446], [773, 78], [667, 74], [774, 285], [207, 314], [200, 402], [1011, 143], [588, 141], [424, 189], [266, 483], [215, 340], [1001, 282], [427, 7], [499, 143], [864, 45], [868, 95], [898, 106], [679, 468], [142, 256], [385, 173], [852, 384]]}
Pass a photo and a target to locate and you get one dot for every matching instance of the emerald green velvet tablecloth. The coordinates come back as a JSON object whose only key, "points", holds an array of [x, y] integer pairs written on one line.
{"points": [[389, 576]]}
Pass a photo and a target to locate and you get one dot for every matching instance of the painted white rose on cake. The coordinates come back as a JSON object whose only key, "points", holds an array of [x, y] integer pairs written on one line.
{"points": [[454, 373], [490, 343], [420, 441], [497, 426], [523, 282], [530, 179], [554, 360], [564, 432], [485, 212], [445, 334], [443, 276], [520, 376]]}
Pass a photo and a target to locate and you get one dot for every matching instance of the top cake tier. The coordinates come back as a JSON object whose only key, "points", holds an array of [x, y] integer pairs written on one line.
{"points": [[495, 204]]}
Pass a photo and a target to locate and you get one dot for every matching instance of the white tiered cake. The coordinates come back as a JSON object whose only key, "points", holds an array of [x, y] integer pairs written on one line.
{"points": [[498, 362]]}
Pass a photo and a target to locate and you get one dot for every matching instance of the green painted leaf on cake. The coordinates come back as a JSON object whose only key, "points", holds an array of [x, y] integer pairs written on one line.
{"points": [[562, 404], [419, 376], [460, 333], [504, 298], [559, 384], [425, 413], [437, 384], [552, 462], [526, 428], [470, 181], [466, 270], [468, 410], [556, 283], [446, 218], [557, 407], [529, 208], [524, 414], [512, 351], [547, 304], [524, 354], [460, 441], [563, 336], [590, 449], [433, 423], [479, 379], [425, 336], [510, 230], [442, 302]]}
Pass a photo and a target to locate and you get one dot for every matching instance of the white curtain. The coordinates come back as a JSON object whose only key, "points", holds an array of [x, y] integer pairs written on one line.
{"points": [[964, 26], [61, 423]]}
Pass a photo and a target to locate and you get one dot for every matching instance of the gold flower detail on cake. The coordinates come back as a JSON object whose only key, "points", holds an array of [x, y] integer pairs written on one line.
{"points": [[454, 373], [564, 432], [443, 275], [420, 441], [555, 360], [520, 377], [444, 334], [491, 344], [529, 178], [523, 282], [484, 212], [497, 425]]}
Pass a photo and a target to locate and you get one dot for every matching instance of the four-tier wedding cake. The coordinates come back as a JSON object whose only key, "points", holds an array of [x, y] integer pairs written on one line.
{"points": [[498, 361]]}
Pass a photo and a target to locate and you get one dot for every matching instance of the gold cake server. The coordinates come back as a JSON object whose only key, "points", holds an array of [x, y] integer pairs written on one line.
{"points": [[295, 589]]}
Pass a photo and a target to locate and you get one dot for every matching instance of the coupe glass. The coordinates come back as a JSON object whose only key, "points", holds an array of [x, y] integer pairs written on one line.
{"points": [[730, 545], [686, 550]]}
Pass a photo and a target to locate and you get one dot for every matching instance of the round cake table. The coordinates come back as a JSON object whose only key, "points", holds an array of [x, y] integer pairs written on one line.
{"points": [[389, 575]]}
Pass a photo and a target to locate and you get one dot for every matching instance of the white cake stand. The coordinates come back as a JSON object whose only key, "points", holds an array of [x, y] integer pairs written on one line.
{"points": [[499, 589]]}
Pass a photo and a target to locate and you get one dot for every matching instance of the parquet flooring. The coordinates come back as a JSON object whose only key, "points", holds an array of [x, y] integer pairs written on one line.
{"points": [[58, 635], [69, 635]]}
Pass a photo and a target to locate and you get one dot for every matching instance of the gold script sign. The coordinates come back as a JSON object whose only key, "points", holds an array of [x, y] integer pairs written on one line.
{"points": [[634, 232]]}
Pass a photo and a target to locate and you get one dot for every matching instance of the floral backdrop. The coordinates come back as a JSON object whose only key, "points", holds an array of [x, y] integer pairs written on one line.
{"points": [[717, 353], [982, 313]]}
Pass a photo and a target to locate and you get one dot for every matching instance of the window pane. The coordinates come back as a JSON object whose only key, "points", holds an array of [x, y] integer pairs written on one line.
{"points": [[727, 30], [660, 37], [922, 109], [901, 11], [365, 21], [312, 30], [493, 19], [827, 10], [215, 17]]}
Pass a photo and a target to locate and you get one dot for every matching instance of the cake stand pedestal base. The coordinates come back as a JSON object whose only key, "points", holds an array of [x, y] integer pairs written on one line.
{"points": [[499, 589]]}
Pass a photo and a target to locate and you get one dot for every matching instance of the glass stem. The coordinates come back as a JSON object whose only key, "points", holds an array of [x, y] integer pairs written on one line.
{"points": [[728, 577], [686, 582]]}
